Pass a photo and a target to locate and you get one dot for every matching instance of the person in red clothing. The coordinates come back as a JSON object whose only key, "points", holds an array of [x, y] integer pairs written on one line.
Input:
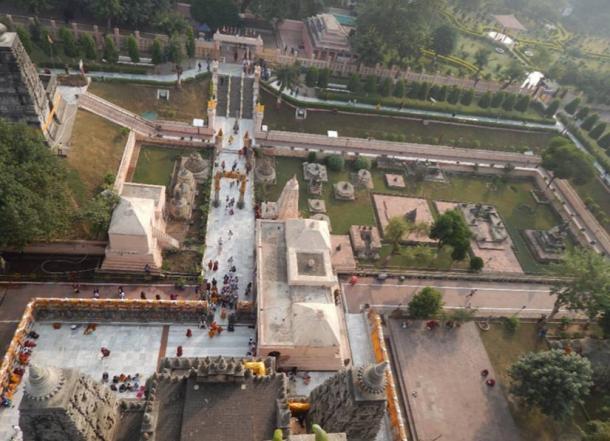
{"points": [[179, 351], [105, 352], [189, 333]]}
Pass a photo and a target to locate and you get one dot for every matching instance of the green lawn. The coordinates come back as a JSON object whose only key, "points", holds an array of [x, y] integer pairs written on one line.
{"points": [[504, 349], [155, 164], [513, 201], [595, 190], [467, 46], [380, 127]]}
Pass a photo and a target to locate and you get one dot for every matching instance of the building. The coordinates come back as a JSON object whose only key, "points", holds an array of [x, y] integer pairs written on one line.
{"points": [[298, 321], [24, 95]]}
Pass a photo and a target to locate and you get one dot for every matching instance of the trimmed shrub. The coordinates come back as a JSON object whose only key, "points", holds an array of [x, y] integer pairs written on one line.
{"points": [[523, 103], [497, 99], [87, 47], [69, 42], [604, 141], [111, 53], [598, 130], [572, 106], [552, 108], [590, 121], [442, 94], [509, 102], [426, 303], [323, 78], [371, 84], [354, 83], [335, 162], [132, 49], [311, 77], [414, 90], [454, 95], [435, 91], [583, 113], [385, 88], [312, 157], [485, 100], [467, 97], [362, 162], [424, 91], [476, 264], [399, 89]]}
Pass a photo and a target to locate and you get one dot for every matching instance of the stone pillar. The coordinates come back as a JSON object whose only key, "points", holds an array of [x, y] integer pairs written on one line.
{"points": [[259, 114], [218, 141], [117, 37], [53, 28], [9, 18], [97, 36], [242, 191], [75, 30], [212, 113], [136, 35]]}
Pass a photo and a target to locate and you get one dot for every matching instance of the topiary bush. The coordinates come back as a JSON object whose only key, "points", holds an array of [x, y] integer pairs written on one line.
{"points": [[335, 162], [362, 162]]}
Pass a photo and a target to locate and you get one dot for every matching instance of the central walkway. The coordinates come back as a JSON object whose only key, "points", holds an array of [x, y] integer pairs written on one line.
{"points": [[231, 235]]}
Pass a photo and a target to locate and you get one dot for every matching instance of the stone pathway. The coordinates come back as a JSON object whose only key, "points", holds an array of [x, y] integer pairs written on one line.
{"points": [[239, 245]]}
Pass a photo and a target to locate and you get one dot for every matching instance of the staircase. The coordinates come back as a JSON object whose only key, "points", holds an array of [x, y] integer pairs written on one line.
{"points": [[165, 240], [248, 99], [235, 97], [222, 95]]}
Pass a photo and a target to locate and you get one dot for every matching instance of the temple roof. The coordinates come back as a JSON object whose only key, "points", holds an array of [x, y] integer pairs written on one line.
{"points": [[315, 324], [133, 217]]}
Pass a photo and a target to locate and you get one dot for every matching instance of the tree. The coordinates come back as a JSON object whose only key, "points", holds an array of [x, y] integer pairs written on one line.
{"points": [[481, 58], [399, 89], [287, 77], [476, 263], [370, 86], [451, 229], [354, 83], [454, 95], [598, 130], [485, 100], [444, 39], [175, 50], [566, 161], [426, 304], [87, 47], [323, 78], [111, 54], [385, 88], [34, 196], [132, 49], [424, 91], [394, 231], [107, 10], [572, 106], [24, 36], [597, 431], [69, 42], [467, 97], [435, 91], [98, 212], [551, 381], [442, 94], [335, 162], [311, 77], [36, 6], [156, 52], [497, 99], [216, 13], [509, 102], [189, 42], [514, 71], [604, 141], [585, 285], [583, 112], [552, 107], [590, 121], [362, 162], [523, 103]]}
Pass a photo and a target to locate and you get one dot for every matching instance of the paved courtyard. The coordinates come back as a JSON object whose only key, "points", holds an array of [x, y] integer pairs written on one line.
{"points": [[388, 207], [440, 374]]}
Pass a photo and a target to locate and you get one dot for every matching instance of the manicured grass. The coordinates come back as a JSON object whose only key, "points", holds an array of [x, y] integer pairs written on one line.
{"points": [[504, 349], [96, 148], [156, 164], [596, 191], [184, 104], [380, 127], [467, 47], [512, 200]]}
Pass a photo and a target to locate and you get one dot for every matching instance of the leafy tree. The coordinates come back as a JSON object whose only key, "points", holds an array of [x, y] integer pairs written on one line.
{"points": [[485, 100], [435, 91], [172, 23], [509, 102], [36, 6], [216, 13], [189, 42], [552, 381], [311, 77], [552, 107], [604, 322], [454, 95], [87, 47], [586, 286], [335, 162], [399, 89], [476, 263], [394, 231], [424, 91], [426, 304], [370, 86], [414, 90], [323, 78], [354, 83], [24, 36], [442, 94], [572, 106], [451, 229], [391, 31], [566, 161], [523, 103], [583, 112], [111, 53], [604, 141], [598, 130], [481, 58], [98, 212], [46, 42], [362, 162], [287, 76], [34, 195], [175, 50], [385, 88], [596, 431], [467, 97], [514, 71], [107, 10], [156, 52], [69, 42], [444, 39], [590, 121], [132, 49], [497, 99]]}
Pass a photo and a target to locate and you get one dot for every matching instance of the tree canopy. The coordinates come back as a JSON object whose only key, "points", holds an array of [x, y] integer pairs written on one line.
{"points": [[566, 161], [216, 13], [586, 283], [393, 31], [34, 203], [552, 381], [451, 229], [444, 39], [426, 303]]}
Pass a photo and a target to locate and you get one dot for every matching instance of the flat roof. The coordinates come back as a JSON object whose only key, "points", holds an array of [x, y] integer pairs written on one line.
{"points": [[510, 22]]}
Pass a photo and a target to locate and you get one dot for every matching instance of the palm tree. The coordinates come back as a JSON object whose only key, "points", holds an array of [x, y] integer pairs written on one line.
{"points": [[287, 78]]}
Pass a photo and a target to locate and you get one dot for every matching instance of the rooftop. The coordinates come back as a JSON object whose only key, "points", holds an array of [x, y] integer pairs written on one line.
{"points": [[510, 22]]}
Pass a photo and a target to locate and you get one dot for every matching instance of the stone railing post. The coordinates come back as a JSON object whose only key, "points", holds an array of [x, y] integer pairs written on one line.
{"points": [[75, 30], [136, 35], [117, 37], [53, 28], [97, 36]]}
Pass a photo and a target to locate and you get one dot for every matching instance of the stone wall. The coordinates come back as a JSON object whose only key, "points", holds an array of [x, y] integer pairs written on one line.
{"points": [[121, 175]]}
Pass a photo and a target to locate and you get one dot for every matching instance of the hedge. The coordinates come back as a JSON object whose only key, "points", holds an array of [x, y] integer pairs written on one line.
{"points": [[595, 151]]}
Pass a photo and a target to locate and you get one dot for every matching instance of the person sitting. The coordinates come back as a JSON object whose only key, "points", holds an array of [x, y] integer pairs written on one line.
{"points": [[113, 387], [122, 378], [105, 377], [122, 388]]}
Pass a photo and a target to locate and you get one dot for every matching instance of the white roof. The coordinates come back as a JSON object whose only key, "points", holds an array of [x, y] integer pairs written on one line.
{"points": [[315, 325], [133, 217], [307, 235]]}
